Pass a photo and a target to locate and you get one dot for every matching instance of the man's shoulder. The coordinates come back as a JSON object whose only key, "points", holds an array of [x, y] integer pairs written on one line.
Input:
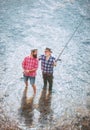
{"points": [[27, 57], [52, 57], [42, 56]]}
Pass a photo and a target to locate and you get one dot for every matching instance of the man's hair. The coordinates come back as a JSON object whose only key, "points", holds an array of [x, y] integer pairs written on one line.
{"points": [[33, 50], [48, 49]]}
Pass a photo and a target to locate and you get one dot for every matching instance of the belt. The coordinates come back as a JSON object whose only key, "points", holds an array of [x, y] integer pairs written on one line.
{"points": [[47, 73]]}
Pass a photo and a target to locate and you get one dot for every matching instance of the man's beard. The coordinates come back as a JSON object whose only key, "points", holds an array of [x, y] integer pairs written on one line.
{"points": [[35, 55]]}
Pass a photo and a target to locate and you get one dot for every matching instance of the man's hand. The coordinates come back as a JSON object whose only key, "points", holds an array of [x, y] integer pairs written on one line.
{"points": [[55, 63], [26, 71]]}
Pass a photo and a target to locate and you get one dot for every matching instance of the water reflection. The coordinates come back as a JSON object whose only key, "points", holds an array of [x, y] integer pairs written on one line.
{"points": [[88, 99], [44, 107], [27, 108]]}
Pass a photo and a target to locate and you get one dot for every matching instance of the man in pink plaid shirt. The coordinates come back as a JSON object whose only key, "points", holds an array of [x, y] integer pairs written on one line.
{"points": [[30, 66]]}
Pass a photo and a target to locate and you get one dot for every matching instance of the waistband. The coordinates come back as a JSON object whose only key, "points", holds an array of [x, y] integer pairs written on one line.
{"points": [[47, 73]]}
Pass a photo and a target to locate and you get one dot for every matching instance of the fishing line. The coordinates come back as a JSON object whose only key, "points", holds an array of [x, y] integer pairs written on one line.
{"points": [[68, 41]]}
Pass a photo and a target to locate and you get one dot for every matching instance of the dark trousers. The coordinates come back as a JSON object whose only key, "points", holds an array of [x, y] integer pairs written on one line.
{"points": [[48, 78]]}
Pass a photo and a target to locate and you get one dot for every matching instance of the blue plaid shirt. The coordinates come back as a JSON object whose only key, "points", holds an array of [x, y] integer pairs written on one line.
{"points": [[47, 65]]}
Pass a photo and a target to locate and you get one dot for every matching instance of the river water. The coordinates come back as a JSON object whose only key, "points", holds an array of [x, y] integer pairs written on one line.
{"points": [[27, 24]]}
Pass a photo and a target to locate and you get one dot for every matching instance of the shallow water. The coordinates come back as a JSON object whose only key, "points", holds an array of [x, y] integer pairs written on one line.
{"points": [[28, 24]]}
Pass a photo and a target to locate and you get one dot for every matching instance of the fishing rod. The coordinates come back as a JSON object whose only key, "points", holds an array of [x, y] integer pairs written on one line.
{"points": [[68, 41]]}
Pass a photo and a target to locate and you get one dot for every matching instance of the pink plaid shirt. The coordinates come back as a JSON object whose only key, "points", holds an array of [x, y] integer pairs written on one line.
{"points": [[30, 63]]}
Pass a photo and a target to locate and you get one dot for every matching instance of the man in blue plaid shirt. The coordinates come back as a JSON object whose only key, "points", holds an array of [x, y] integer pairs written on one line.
{"points": [[47, 65]]}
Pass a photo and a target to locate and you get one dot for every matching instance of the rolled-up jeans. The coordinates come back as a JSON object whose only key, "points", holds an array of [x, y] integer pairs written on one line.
{"points": [[47, 77]]}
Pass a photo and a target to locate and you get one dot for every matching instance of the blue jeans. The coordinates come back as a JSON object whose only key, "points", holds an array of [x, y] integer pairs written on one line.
{"points": [[32, 79]]}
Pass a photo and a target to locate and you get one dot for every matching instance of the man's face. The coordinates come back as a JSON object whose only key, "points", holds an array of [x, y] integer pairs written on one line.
{"points": [[47, 53], [35, 54]]}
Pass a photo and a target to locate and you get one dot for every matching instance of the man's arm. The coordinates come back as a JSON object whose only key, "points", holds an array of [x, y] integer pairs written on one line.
{"points": [[54, 62], [35, 67], [32, 70], [40, 57], [23, 66]]}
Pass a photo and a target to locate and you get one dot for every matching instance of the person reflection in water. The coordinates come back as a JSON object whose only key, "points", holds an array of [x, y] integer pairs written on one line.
{"points": [[44, 106], [27, 108], [30, 66]]}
